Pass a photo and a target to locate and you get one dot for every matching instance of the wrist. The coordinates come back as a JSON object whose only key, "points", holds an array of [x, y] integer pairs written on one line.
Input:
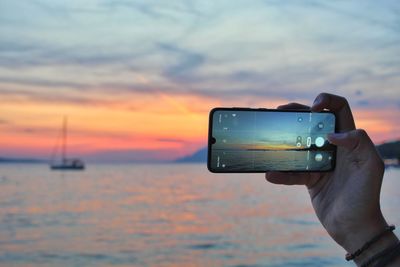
{"points": [[357, 235], [356, 239], [386, 242]]}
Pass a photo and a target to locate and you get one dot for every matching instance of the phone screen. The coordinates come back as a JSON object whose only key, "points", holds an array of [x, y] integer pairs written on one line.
{"points": [[257, 140]]}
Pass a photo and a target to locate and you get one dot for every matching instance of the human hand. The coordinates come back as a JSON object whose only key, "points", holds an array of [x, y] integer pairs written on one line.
{"points": [[346, 200]]}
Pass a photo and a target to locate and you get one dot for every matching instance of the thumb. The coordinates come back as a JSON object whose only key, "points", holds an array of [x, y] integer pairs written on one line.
{"points": [[356, 140]]}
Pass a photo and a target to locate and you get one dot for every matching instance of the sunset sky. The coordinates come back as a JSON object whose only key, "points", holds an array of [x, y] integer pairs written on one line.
{"points": [[138, 78]]}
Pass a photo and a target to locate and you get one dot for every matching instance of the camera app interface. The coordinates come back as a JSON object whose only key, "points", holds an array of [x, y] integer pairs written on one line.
{"points": [[261, 140]]}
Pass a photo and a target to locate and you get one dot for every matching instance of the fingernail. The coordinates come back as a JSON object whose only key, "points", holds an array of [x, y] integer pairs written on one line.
{"points": [[317, 101]]}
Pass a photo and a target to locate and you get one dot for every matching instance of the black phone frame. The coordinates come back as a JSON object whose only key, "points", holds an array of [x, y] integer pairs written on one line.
{"points": [[209, 142]]}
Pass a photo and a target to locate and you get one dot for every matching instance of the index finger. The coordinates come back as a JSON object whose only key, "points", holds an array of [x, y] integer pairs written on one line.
{"points": [[339, 106], [292, 106]]}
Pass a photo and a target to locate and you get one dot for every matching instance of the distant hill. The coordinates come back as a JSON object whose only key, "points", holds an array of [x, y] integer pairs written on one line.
{"points": [[198, 156], [21, 160], [390, 150]]}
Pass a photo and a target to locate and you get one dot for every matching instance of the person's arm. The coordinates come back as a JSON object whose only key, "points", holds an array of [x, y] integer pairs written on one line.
{"points": [[346, 201], [365, 172]]}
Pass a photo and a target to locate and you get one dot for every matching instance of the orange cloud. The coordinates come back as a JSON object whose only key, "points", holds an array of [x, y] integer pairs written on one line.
{"points": [[381, 124], [138, 121], [162, 122]]}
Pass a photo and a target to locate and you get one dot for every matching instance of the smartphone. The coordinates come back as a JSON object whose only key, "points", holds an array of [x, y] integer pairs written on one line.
{"points": [[259, 140]]}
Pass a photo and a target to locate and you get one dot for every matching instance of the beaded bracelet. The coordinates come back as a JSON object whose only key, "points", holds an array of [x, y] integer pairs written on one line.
{"points": [[392, 255], [387, 255], [358, 252]]}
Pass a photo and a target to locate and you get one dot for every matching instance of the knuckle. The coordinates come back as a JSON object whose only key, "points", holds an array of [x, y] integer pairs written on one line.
{"points": [[333, 98], [344, 101], [326, 95], [323, 94]]}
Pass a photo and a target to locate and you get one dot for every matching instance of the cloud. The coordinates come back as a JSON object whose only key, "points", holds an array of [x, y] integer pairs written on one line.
{"points": [[14, 54], [293, 84], [286, 57], [361, 15], [188, 62], [127, 55], [40, 82], [345, 11], [66, 11], [29, 130], [171, 140], [363, 103], [62, 97], [8, 46], [141, 7], [154, 9]]}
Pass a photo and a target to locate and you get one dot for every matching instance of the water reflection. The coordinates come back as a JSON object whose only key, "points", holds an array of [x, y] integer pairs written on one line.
{"points": [[159, 215]]}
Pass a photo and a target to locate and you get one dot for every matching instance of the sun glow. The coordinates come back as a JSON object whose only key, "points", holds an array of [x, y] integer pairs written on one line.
{"points": [[144, 78]]}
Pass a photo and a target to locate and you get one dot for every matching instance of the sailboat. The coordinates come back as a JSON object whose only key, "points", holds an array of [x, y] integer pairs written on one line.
{"points": [[66, 163]]}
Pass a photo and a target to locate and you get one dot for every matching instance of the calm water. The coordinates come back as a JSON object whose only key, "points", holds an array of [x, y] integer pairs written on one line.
{"points": [[162, 215]]}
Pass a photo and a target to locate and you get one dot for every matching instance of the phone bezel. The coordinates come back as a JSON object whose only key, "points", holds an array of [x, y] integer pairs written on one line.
{"points": [[209, 144]]}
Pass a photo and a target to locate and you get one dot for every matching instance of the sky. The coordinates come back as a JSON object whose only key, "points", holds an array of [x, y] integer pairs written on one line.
{"points": [[138, 78]]}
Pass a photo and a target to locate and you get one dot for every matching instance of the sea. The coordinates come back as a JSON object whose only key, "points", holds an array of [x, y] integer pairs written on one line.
{"points": [[163, 215]]}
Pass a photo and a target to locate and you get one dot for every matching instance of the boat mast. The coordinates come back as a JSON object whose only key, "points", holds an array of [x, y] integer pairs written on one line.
{"points": [[64, 146]]}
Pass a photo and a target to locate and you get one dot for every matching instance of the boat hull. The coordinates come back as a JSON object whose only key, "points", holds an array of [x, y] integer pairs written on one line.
{"points": [[67, 168], [66, 164]]}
